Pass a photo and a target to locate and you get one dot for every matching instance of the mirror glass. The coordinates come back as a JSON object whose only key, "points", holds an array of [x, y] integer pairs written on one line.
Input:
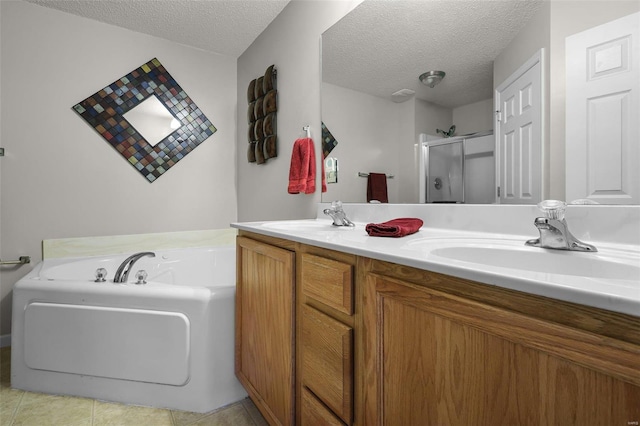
{"points": [[380, 114], [152, 120]]}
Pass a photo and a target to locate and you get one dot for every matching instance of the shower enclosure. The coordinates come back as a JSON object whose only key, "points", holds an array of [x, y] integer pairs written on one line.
{"points": [[458, 170]]}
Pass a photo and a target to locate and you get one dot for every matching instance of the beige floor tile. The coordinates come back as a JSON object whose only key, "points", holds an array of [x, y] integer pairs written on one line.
{"points": [[253, 411], [234, 415], [41, 409], [9, 400], [112, 414], [36, 409], [184, 418]]}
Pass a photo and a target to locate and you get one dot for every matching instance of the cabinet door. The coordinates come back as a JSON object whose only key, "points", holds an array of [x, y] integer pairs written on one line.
{"points": [[433, 358], [265, 328]]}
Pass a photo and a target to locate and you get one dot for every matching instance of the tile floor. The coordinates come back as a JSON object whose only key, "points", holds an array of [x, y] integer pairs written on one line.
{"points": [[36, 409]]}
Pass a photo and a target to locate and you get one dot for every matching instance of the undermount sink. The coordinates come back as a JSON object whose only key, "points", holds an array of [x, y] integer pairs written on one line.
{"points": [[596, 265]]}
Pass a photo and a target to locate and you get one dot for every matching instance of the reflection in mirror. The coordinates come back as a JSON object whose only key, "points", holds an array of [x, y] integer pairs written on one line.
{"points": [[331, 169], [375, 105], [152, 120]]}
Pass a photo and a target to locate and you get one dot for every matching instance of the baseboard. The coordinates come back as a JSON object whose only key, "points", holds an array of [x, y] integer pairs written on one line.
{"points": [[5, 340]]}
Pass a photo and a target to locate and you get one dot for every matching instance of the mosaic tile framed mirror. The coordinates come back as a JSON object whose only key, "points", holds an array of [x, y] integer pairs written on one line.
{"points": [[148, 118]]}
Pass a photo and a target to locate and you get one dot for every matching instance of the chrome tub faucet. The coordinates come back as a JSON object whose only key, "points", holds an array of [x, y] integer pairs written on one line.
{"points": [[554, 231], [122, 273], [338, 215]]}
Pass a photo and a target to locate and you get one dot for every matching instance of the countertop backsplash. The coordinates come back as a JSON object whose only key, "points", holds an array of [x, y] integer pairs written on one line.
{"points": [[589, 223]]}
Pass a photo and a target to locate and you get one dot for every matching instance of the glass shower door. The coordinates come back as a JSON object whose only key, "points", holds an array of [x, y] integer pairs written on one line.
{"points": [[445, 172]]}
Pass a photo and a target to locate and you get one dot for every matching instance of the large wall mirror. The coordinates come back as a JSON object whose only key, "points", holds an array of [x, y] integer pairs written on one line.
{"points": [[382, 116]]}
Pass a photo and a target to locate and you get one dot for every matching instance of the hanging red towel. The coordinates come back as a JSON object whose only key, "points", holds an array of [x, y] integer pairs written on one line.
{"points": [[302, 172], [377, 187], [395, 227], [324, 177]]}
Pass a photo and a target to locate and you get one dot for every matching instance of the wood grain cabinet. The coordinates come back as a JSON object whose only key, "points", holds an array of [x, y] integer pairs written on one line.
{"points": [[328, 338], [325, 332], [315, 413], [265, 289], [437, 358]]}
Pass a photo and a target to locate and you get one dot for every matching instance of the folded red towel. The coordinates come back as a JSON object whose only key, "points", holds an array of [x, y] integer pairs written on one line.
{"points": [[395, 227]]}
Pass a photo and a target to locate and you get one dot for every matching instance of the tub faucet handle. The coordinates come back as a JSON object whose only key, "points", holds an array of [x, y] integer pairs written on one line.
{"points": [[101, 275], [141, 277]]}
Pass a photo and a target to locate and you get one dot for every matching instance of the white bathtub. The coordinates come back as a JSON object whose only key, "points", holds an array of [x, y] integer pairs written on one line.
{"points": [[168, 343]]}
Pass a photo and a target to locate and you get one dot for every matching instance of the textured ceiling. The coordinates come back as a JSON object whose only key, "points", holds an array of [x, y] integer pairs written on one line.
{"points": [[383, 46], [227, 27]]}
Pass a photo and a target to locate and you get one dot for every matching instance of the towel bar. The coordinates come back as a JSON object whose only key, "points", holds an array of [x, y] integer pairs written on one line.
{"points": [[367, 175], [21, 261]]}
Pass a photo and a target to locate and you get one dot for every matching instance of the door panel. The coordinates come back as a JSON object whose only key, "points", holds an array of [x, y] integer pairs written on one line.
{"points": [[602, 129], [519, 124]]}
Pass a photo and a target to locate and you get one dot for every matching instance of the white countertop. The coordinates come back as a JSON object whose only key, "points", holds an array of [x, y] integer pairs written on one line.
{"points": [[424, 250]]}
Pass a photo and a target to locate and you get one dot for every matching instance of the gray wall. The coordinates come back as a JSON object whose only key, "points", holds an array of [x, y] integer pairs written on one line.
{"points": [[367, 138], [292, 43], [59, 178], [475, 117]]}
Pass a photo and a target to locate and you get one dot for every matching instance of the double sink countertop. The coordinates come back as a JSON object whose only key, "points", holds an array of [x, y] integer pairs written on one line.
{"points": [[608, 279]]}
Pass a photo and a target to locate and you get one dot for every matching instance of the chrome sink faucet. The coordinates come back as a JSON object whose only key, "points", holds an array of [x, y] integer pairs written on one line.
{"points": [[338, 215], [554, 231], [122, 273]]}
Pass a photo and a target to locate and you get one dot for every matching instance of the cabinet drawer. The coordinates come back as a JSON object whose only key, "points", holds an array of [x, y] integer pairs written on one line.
{"points": [[315, 413], [327, 361], [328, 281]]}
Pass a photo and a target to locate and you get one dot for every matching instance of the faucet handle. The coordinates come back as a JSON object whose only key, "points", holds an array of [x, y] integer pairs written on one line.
{"points": [[101, 275], [336, 205], [141, 277], [553, 209]]}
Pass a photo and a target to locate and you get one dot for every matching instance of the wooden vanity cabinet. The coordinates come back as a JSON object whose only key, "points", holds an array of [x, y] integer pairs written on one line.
{"points": [[264, 326], [328, 338], [444, 351]]}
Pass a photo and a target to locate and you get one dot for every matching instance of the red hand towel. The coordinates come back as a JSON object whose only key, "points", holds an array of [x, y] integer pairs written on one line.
{"points": [[324, 177], [302, 172], [377, 187], [395, 227]]}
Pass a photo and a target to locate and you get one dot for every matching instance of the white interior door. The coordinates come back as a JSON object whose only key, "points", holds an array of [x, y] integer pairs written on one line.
{"points": [[519, 134], [603, 113]]}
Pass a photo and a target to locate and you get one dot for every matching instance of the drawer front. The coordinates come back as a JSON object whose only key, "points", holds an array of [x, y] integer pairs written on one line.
{"points": [[327, 361], [328, 281], [315, 413]]}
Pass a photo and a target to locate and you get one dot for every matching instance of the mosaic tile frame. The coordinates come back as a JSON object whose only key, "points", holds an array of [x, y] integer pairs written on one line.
{"points": [[328, 141], [105, 109]]}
